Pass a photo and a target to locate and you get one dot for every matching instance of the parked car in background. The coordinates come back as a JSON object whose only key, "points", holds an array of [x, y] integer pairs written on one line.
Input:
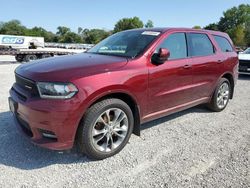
{"points": [[238, 49], [244, 62], [97, 99]]}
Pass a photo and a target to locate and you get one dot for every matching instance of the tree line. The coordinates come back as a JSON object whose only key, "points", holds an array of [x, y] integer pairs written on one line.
{"points": [[235, 21], [65, 35]]}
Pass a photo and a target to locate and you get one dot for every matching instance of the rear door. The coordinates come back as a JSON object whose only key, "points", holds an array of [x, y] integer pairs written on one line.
{"points": [[206, 64], [228, 56]]}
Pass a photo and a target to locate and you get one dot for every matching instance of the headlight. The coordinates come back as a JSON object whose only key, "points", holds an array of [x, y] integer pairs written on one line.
{"points": [[56, 90]]}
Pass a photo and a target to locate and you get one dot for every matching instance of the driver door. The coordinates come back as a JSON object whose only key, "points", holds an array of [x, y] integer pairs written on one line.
{"points": [[170, 84]]}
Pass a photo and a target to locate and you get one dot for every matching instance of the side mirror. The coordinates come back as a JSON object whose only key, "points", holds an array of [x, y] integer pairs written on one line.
{"points": [[160, 57]]}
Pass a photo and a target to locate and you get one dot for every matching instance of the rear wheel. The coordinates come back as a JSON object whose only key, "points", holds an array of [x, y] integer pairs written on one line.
{"points": [[46, 56], [29, 58], [106, 129], [221, 96]]}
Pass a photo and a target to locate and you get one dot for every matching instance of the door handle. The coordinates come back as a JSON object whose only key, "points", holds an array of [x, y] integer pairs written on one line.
{"points": [[187, 66], [220, 61]]}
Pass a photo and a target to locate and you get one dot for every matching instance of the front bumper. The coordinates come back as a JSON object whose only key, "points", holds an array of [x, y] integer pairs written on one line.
{"points": [[245, 73], [244, 67], [48, 123]]}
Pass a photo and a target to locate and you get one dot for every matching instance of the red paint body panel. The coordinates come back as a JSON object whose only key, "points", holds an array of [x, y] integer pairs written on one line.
{"points": [[156, 90]]}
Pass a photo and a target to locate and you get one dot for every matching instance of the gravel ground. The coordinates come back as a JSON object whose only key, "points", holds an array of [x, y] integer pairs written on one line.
{"points": [[193, 148], [6, 59]]}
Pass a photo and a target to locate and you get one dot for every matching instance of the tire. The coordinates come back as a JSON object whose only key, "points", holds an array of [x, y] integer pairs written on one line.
{"points": [[19, 58], [46, 56], [221, 96], [100, 137], [29, 58]]}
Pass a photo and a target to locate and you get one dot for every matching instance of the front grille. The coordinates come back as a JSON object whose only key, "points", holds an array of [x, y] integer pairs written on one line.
{"points": [[27, 85], [244, 66], [245, 63]]}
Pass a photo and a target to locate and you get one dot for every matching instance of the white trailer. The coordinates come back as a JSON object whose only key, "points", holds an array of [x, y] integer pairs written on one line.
{"points": [[21, 42], [29, 48]]}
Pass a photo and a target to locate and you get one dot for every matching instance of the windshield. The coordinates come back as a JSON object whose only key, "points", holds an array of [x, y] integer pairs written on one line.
{"points": [[125, 44], [247, 51]]}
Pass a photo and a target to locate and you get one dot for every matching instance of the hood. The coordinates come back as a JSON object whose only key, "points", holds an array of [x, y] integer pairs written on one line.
{"points": [[66, 68], [244, 56]]}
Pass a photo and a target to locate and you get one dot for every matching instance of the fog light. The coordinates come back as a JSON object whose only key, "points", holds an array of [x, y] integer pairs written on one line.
{"points": [[48, 134]]}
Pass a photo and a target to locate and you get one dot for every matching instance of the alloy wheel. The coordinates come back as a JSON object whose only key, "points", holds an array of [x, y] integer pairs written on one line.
{"points": [[223, 95], [110, 130]]}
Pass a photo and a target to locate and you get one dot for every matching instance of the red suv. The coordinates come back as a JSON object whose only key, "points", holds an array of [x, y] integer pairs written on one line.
{"points": [[98, 98]]}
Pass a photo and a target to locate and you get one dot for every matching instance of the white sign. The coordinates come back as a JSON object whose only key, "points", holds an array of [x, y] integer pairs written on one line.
{"points": [[153, 33]]}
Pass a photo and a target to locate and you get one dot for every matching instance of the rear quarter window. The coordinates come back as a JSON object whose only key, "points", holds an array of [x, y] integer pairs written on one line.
{"points": [[223, 43]]}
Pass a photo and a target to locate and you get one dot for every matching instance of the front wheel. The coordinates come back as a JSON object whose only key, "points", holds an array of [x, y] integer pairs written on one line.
{"points": [[221, 96], [19, 58], [106, 129]]}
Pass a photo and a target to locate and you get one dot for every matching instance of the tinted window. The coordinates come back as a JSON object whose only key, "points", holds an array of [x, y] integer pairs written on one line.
{"points": [[223, 43], [176, 44], [247, 51], [200, 45]]}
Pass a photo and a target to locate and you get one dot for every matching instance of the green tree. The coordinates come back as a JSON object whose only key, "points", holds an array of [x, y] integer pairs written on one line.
{"points": [[1, 25], [235, 22], [234, 17], [197, 27], [70, 37], [79, 30], [41, 32], [65, 35], [13, 27], [238, 35], [94, 36], [149, 24], [62, 30], [212, 26], [128, 23], [247, 34]]}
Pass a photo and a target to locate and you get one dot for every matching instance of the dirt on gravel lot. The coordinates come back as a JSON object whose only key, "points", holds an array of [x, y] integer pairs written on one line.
{"points": [[193, 148]]}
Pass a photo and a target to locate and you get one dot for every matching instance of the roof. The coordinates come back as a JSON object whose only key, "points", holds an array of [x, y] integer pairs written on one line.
{"points": [[165, 29]]}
